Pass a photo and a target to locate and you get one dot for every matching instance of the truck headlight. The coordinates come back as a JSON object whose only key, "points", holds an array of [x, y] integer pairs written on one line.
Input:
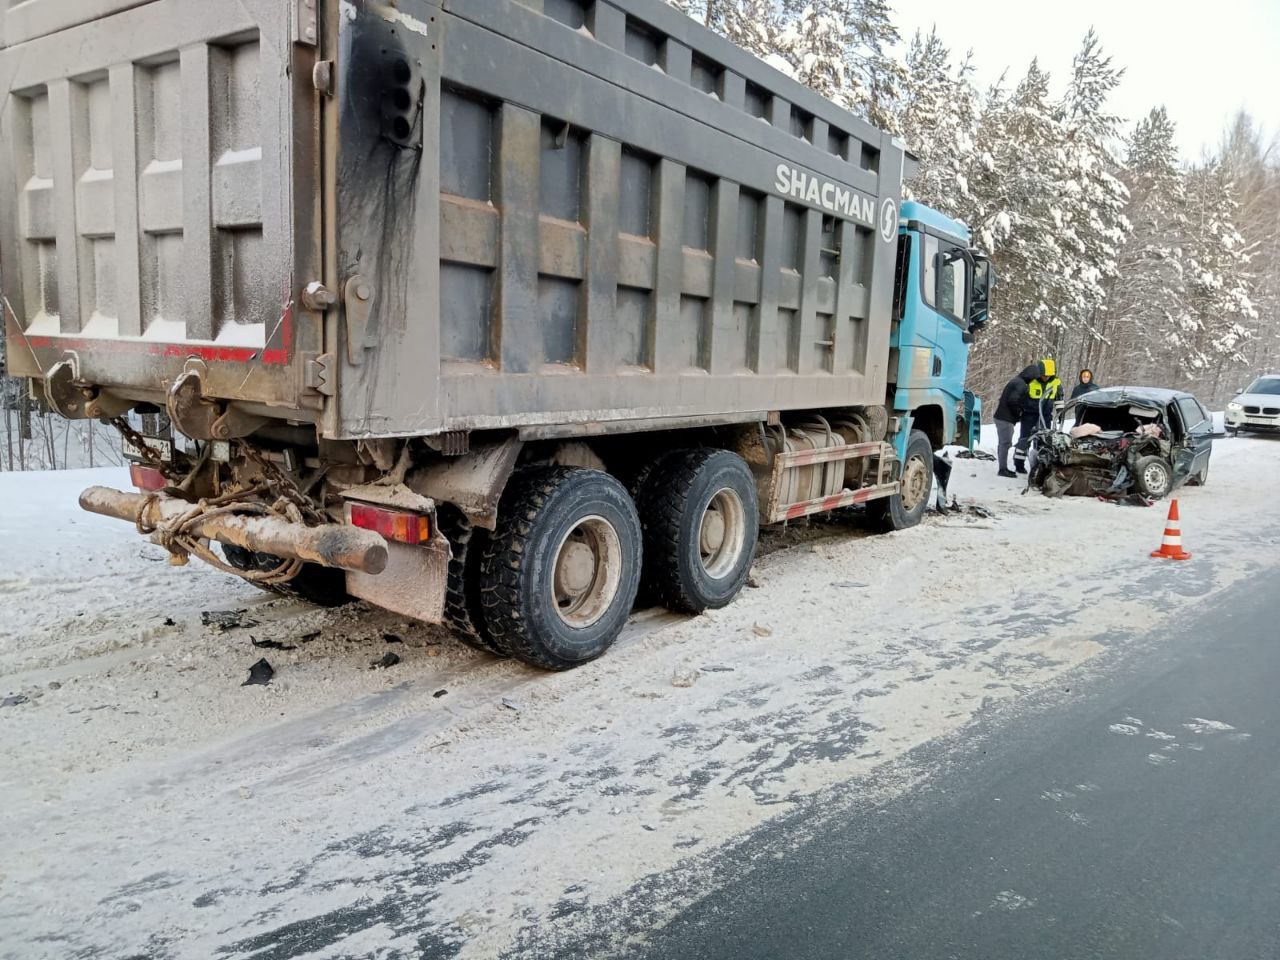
{"points": [[1235, 407]]}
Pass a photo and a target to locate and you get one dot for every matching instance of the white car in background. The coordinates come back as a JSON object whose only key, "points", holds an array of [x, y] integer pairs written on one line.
{"points": [[1257, 408]]}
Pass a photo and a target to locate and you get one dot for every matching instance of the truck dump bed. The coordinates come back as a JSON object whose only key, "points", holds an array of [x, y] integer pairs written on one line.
{"points": [[553, 215], [158, 197]]}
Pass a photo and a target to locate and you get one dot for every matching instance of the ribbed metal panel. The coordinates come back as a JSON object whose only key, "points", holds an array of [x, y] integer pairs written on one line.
{"points": [[629, 254], [148, 204]]}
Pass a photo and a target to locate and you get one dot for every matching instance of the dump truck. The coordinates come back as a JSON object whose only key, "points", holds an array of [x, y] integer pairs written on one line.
{"points": [[495, 314]]}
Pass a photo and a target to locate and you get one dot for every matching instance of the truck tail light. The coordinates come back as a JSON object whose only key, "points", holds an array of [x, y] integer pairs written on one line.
{"points": [[146, 478], [400, 525]]}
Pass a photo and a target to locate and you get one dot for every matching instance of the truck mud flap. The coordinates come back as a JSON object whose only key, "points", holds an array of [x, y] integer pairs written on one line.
{"points": [[413, 583]]}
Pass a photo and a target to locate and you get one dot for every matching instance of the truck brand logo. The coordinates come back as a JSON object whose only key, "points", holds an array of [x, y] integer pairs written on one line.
{"points": [[888, 220], [811, 188]]}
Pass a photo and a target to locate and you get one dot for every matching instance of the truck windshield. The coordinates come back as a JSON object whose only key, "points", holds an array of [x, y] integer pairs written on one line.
{"points": [[1268, 385]]}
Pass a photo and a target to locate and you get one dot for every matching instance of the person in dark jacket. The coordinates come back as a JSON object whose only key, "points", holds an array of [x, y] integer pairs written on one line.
{"points": [[1013, 398], [1086, 384], [1037, 412]]}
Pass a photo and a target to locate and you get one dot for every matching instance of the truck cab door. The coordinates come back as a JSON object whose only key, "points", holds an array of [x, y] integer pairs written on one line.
{"points": [[945, 288]]}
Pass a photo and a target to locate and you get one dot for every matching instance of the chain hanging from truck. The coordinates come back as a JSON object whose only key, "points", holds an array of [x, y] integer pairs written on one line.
{"points": [[176, 534], [148, 453]]}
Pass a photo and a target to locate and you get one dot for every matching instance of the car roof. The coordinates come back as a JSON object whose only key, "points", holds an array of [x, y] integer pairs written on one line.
{"points": [[1158, 395]]}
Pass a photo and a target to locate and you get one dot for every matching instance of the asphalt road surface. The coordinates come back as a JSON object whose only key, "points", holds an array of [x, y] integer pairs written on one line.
{"points": [[1137, 821]]}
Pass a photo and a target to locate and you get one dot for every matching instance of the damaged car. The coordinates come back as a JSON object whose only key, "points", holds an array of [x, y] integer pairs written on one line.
{"points": [[1125, 441]]}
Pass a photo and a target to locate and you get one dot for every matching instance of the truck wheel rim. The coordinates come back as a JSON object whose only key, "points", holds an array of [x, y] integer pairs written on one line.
{"points": [[1154, 477], [586, 571], [722, 532], [915, 479]]}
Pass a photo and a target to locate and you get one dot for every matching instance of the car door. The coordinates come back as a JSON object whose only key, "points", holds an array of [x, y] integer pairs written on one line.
{"points": [[1197, 441]]}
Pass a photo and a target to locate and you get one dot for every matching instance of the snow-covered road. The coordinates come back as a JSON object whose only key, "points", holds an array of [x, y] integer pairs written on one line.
{"points": [[452, 804]]}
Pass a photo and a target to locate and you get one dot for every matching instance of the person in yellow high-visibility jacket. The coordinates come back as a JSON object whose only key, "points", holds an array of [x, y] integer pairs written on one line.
{"points": [[1037, 411]]}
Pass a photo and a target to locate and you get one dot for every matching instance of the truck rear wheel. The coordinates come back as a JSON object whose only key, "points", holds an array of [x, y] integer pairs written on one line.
{"points": [[323, 586], [559, 574], [462, 585], [905, 509], [701, 521]]}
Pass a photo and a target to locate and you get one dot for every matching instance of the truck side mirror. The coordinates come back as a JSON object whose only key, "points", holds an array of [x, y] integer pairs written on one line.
{"points": [[980, 301]]}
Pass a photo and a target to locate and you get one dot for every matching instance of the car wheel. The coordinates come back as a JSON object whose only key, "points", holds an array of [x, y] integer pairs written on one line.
{"points": [[560, 572], [1153, 477], [905, 509]]}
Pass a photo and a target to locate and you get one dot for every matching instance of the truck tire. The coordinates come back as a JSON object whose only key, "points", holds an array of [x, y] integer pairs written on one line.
{"points": [[701, 521], [462, 585], [647, 596], [1153, 477], [905, 509], [559, 574], [877, 418], [316, 584]]}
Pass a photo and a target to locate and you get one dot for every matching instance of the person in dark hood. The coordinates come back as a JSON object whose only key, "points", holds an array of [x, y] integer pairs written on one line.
{"points": [[1085, 385], [1013, 400]]}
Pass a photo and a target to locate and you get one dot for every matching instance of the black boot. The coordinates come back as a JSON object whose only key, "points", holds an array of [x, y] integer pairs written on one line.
{"points": [[1005, 472], [1020, 466]]}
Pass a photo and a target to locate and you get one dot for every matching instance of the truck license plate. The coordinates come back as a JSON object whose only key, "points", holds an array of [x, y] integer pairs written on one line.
{"points": [[162, 447]]}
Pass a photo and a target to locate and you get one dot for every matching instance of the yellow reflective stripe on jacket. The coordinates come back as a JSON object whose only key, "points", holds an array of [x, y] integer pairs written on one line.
{"points": [[1038, 388]]}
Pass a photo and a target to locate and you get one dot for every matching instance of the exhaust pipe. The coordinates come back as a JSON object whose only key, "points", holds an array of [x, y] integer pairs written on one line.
{"points": [[329, 544]]}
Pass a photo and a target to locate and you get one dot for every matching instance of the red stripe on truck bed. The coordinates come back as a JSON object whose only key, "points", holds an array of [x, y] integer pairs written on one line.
{"points": [[275, 356]]}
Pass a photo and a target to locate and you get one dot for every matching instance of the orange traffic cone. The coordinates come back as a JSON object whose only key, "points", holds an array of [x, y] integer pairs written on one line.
{"points": [[1171, 544]]}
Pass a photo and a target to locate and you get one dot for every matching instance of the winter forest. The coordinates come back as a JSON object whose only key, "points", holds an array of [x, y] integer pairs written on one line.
{"points": [[1111, 252]]}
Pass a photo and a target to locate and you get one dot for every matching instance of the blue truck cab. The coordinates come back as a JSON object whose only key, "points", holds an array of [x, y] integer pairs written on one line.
{"points": [[941, 299]]}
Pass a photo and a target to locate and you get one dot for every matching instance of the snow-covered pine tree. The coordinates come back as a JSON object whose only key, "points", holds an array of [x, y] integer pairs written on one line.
{"points": [[990, 206], [1093, 225], [878, 75], [1218, 277], [1253, 163], [937, 114], [1146, 322], [753, 25], [844, 50], [1024, 146], [815, 41]]}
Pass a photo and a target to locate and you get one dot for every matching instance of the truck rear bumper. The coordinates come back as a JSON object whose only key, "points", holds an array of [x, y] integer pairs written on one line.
{"points": [[409, 579], [330, 544]]}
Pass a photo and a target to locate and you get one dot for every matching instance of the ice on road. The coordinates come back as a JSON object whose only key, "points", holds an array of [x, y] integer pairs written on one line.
{"points": [[451, 804]]}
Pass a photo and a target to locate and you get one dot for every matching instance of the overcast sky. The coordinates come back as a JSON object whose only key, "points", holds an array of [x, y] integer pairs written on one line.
{"points": [[1201, 60]]}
